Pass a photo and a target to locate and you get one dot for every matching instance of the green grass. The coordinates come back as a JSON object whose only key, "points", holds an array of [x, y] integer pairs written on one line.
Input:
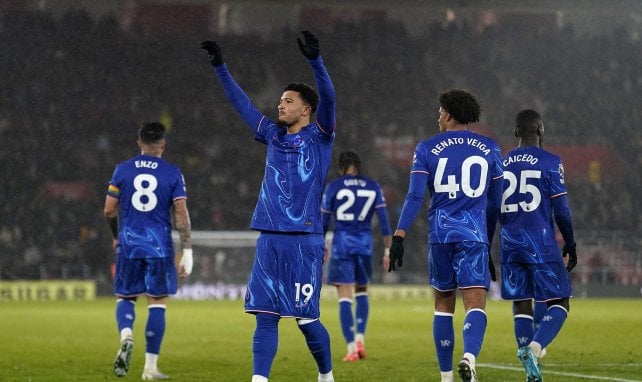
{"points": [[211, 341]]}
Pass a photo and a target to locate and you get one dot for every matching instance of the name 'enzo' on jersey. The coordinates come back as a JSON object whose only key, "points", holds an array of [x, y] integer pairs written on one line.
{"points": [[146, 164]]}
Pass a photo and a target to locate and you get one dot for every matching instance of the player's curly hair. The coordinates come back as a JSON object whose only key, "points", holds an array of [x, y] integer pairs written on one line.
{"points": [[308, 94], [348, 158], [461, 105], [151, 133]]}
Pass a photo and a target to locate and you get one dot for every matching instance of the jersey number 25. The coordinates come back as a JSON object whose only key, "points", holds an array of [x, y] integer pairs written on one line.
{"points": [[524, 188]]}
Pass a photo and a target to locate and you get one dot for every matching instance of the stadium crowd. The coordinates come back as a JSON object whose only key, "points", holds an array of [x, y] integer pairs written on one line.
{"points": [[75, 90]]}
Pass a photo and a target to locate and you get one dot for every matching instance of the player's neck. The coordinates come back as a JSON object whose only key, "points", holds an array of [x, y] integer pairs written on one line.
{"points": [[152, 153], [526, 142], [298, 126], [457, 127]]}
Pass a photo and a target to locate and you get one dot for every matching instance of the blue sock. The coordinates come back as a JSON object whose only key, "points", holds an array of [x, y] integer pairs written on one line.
{"points": [[265, 343], [125, 314], [318, 340], [443, 333], [524, 329], [155, 329], [361, 311], [551, 324], [474, 329], [539, 311], [345, 317]]}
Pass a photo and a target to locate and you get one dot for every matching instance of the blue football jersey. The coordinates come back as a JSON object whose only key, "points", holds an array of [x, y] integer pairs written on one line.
{"points": [[296, 164], [533, 177], [146, 187], [352, 200], [295, 171], [460, 166]]}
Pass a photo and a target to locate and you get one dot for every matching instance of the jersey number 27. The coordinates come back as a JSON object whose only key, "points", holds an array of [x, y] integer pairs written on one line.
{"points": [[343, 213]]}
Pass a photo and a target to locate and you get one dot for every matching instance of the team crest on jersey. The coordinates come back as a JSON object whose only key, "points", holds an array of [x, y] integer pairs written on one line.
{"points": [[561, 171]]}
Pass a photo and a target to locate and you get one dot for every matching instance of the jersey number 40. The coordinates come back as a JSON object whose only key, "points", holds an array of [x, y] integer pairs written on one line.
{"points": [[453, 185]]}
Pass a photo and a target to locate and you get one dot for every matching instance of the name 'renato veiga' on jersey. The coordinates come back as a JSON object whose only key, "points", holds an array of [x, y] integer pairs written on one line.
{"points": [[441, 145]]}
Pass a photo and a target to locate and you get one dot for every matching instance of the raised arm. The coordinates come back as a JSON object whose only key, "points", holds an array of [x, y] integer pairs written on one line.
{"points": [[240, 101], [309, 46]]}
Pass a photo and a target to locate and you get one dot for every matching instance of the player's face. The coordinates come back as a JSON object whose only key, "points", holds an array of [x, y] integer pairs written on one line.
{"points": [[443, 118], [291, 108]]}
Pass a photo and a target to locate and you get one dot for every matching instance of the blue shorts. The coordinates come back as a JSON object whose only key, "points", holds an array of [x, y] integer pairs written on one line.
{"points": [[355, 269], [286, 275], [153, 277], [542, 282], [458, 265]]}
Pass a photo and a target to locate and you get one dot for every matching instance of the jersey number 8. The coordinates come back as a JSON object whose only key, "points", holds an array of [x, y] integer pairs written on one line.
{"points": [[144, 198]]}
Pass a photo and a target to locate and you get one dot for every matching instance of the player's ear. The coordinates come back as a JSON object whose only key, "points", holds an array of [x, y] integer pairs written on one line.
{"points": [[515, 133]]}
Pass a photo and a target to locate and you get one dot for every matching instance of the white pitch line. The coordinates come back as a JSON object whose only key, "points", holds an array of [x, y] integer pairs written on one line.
{"points": [[576, 375]]}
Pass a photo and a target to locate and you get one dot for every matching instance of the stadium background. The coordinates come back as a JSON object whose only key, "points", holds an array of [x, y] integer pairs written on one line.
{"points": [[78, 77]]}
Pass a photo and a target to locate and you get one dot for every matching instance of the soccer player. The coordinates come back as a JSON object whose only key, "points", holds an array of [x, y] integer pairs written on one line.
{"points": [[286, 276], [138, 209], [352, 199], [531, 265], [463, 172]]}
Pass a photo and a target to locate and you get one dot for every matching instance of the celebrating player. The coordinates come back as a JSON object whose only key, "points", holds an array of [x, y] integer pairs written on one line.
{"points": [[531, 265], [463, 172], [140, 197], [286, 275], [352, 199]]}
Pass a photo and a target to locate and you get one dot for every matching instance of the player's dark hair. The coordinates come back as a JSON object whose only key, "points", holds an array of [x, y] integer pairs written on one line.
{"points": [[527, 122], [348, 158], [461, 105], [151, 133], [308, 94]]}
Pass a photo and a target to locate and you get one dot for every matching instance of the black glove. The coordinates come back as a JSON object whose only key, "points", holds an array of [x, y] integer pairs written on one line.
{"points": [[396, 253], [212, 48], [491, 269], [572, 256], [310, 48]]}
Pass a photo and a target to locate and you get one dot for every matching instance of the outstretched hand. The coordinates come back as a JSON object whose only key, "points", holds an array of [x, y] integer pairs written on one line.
{"points": [[212, 48], [309, 45]]}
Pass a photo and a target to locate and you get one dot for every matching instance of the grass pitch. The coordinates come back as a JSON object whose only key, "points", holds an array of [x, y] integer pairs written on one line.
{"points": [[211, 341]]}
